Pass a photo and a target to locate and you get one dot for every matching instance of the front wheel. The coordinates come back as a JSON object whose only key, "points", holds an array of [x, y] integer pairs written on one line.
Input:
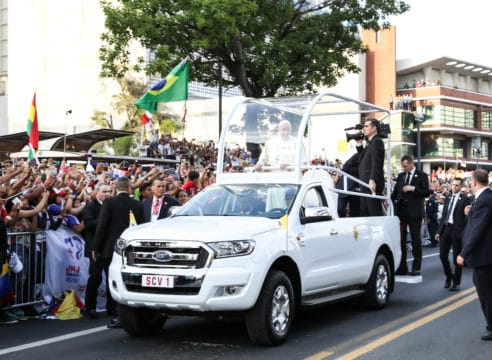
{"points": [[378, 287], [141, 321], [269, 322]]}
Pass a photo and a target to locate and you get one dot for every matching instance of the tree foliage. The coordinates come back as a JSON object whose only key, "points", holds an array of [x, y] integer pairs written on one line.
{"points": [[263, 45]]}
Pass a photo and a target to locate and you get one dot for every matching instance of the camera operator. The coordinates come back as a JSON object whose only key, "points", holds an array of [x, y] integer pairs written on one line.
{"points": [[371, 168]]}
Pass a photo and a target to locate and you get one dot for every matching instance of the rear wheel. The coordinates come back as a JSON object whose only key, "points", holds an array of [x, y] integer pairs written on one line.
{"points": [[141, 321], [378, 287], [269, 322]]}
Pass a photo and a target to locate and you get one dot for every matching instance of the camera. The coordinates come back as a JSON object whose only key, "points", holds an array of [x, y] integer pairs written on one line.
{"points": [[355, 133]]}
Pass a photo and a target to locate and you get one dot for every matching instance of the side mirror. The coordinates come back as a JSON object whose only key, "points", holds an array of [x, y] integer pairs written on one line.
{"points": [[315, 214]]}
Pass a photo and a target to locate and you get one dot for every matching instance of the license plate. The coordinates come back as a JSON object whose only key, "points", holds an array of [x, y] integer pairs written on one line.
{"points": [[159, 281]]}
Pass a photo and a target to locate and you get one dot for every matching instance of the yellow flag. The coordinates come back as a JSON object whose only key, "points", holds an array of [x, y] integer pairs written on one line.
{"points": [[284, 221], [342, 146], [133, 222]]}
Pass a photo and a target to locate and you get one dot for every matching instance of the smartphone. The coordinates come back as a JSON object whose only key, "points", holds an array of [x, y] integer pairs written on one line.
{"points": [[16, 201]]}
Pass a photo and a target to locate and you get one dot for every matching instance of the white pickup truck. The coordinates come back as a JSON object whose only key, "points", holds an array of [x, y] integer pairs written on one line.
{"points": [[258, 244]]}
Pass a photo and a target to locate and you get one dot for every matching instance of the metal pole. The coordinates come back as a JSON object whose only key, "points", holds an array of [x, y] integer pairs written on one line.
{"points": [[220, 98], [418, 119], [67, 115], [419, 164]]}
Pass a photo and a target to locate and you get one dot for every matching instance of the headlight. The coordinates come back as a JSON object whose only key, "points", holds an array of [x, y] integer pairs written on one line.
{"points": [[232, 248], [119, 246]]}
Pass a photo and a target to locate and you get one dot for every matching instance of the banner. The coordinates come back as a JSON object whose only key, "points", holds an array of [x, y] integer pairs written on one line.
{"points": [[66, 268]]}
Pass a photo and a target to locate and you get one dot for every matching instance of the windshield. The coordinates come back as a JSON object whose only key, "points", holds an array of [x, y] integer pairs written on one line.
{"points": [[258, 200]]}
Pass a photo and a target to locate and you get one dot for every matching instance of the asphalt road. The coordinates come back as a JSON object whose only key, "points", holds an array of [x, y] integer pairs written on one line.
{"points": [[422, 321]]}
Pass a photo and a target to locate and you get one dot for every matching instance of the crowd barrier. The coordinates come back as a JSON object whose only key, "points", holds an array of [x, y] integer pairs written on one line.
{"points": [[27, 284]]}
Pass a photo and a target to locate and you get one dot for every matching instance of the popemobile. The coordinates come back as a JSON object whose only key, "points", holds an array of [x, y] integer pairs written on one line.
{"points": [[263, 241]]}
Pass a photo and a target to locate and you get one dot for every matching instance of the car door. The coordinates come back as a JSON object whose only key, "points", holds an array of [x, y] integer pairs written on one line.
{"points": [[325, 244]]}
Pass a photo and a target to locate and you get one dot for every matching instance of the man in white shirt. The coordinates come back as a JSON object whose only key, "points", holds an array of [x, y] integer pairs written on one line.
{"points": [[279, 151]]}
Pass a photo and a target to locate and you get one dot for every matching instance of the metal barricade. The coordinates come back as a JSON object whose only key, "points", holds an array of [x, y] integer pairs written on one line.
{"points": [[28, 283]]}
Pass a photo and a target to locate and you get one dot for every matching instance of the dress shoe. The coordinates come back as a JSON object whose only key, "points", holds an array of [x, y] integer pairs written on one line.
{"points": [[447, 283], [92, 314], [454, 287], [414, 273], [114, 323], [487, 335]]}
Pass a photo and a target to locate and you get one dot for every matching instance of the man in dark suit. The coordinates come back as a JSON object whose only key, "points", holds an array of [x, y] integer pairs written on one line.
{"points": [[114, 218], [409, 193], [431, 211], [349, 205], [91, 216], [371, 171], [449, 233], [477, 244], [157, 206]]}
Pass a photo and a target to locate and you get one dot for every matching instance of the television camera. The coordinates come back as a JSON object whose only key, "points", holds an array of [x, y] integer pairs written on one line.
{"points": [[355, 132]]}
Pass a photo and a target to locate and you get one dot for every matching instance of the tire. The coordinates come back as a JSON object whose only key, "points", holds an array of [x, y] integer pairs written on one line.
{"points": [[269, 321], [141, 321], [378, 287]]}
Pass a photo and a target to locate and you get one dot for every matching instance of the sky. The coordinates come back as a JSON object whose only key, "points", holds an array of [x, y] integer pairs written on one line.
{"points": [[453, 28]]}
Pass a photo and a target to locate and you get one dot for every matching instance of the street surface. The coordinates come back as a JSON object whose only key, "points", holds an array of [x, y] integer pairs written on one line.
{"points": [[422, 321]]}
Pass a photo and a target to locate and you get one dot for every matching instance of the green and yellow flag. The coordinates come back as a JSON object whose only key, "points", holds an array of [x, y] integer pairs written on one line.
{"points": [[173, 88]]}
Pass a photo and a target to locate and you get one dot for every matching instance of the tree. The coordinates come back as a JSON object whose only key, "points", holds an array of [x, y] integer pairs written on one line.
{"points": [[263, 45]]}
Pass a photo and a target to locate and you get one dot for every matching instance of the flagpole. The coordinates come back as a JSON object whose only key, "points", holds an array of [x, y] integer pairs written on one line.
{"points": [[67, 115]]}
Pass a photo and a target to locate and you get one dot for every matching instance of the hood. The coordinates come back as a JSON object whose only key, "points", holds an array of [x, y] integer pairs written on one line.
{"points": [[202, 228]]}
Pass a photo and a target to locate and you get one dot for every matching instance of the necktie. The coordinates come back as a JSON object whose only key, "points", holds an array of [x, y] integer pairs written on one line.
{"points": [[155, 208], [407, 178], [450, 209]]}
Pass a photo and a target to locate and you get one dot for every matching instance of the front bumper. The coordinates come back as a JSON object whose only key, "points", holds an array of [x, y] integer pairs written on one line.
{"points": [[231, 284]]}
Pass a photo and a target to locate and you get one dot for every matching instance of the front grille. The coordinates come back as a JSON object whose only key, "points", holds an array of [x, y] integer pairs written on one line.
{"points": [[167, 254], [183, 285]]}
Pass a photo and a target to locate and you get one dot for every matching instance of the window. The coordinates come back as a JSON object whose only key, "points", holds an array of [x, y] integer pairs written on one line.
{"points": [[487, 119], [455, 116]]}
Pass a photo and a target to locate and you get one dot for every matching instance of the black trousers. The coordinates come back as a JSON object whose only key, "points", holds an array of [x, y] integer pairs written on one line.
{"points": [[450, 238], [482, 278], [370, 206], [415, 226], [96, 269]]}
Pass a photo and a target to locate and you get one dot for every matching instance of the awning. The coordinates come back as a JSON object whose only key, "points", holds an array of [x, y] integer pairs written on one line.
{"points": [[82, 142], [15, 142]]}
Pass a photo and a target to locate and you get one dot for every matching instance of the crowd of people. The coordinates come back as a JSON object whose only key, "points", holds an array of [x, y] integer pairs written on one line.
{"points": [[46, 195]]}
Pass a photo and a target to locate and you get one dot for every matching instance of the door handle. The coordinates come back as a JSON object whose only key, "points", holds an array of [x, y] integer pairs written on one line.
{"points": [[333, 232]]}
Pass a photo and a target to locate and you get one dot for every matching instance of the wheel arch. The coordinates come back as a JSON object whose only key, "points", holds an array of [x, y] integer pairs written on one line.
{"points": [[289, 267], [386, 251]]}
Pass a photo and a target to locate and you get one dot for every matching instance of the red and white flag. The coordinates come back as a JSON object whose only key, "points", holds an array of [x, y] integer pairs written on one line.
{"points": [[146, 119]]}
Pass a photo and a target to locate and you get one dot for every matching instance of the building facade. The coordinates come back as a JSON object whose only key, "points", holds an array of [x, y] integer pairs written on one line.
{"points": [[442, 107]]}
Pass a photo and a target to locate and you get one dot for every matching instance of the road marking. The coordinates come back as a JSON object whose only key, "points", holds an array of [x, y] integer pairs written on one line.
{"points": [[319, 356], [389, 326], [406, 329], [52, 340]]}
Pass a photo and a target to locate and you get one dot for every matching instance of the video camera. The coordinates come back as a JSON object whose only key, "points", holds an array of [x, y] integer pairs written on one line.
{"points": [[355, 132]]}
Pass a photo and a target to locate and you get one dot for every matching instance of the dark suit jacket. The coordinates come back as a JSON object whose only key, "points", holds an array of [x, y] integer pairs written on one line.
{"points": [[114, 218], [168, 202], [90, 216], [350, 167], [477, 234], [371, 163], [410, 205], [458, 214]]}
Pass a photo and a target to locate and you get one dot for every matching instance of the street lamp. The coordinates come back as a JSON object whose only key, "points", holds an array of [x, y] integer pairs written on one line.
{"points": [[419, 117], [220, 98]]}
